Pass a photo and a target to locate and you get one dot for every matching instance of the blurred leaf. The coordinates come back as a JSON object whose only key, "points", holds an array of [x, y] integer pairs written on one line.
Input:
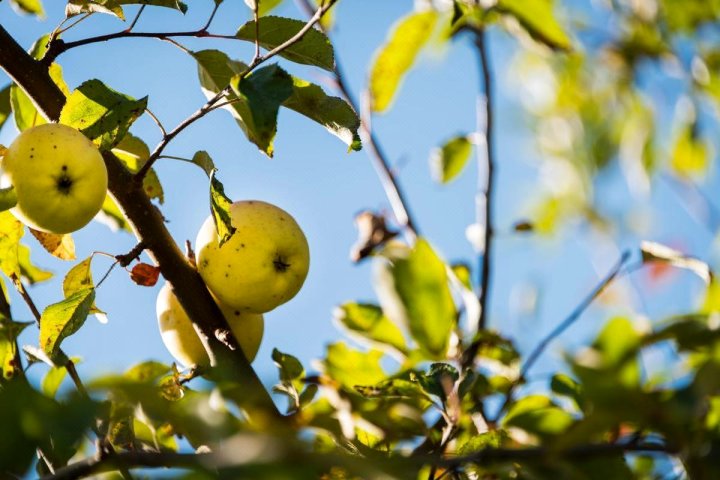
{"points": [[536, 414], [111, 216], [101, 113], [313, 49], [368, 321], [688, 15], [439, 379], [147, 372], [414, 291], [448, 161], [57, 245], [563, 385], [202, 159], [289, 367], [394, 388], [334, 113], [262, 92], [54, 377], [463, 274], [690, 155], [496, 347], [28, 271], [220, 209], [264, 7], [8, 198], [31, 421], [308, 395], [656, 252], [24, 112], [33, 7], [478, 443], [537, 17], [5, 107], [352, 367], [11, 231], [133, 153], [398, 55], [62, 319]]}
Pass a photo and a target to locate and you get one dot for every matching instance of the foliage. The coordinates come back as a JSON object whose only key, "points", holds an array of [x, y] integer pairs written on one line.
{"points": [[430, 392]]}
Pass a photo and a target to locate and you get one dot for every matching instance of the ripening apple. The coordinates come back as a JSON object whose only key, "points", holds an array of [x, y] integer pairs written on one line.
{"points": [[59, 177], [182, 341], [262, 265]]}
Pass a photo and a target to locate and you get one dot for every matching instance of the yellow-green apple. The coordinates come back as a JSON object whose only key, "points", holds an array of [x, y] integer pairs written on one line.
{"points": [[59, 177], [262, 265], [182, 341]]}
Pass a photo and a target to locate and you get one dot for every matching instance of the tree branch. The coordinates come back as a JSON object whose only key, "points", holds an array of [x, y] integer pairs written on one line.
{"points": [[380, 161], [564, 325], [232, 370], [208, 106]]}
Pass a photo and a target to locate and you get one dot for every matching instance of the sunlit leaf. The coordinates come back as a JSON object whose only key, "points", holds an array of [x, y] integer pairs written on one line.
{"points": [[61, 246], [538, 18], [352, 367], [202, 159], [77, 7], [33, 7], [262, 93], [54, 377], [101, 113], [313, 49], [80, 278], [536, 414], [368, 321], [220, 209], [414, 291], [264, 7], [9, 332], [62, 319], [448, 161], [133, 153], [398, 55], [563, 385], [28, 271], [111, 216], [335, 114], [691, 154], [11, 231], [5, 107]]}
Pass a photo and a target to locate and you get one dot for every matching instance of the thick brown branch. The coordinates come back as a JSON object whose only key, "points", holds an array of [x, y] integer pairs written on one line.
{"points": [[232, 367]]}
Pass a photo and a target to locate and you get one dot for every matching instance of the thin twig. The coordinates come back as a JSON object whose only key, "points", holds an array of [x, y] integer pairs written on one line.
{"points": [[212, 16], [562, 326], [256, 17], [157, 121], [26, 298], [377, 155], [208, 106], [137, 17]]}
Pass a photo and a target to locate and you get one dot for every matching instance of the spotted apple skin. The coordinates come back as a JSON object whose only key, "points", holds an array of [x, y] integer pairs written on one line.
{"points": [[263, 265], [59, 177]]}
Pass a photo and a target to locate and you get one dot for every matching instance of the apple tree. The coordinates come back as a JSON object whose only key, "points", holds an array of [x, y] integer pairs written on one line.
{"points": [[433, 384]]}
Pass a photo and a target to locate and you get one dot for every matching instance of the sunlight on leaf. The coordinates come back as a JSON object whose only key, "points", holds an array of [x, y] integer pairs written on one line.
{"points": [[62, 319]]}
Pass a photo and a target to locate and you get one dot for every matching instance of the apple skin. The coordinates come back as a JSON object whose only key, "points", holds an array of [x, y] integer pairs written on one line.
{"points": [[182, 341], [262, 265], [59, 177]]}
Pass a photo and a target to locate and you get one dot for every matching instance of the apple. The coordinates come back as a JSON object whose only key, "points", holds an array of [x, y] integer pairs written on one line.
{"points": [[182, 341], [59, 177], [262, 265]]}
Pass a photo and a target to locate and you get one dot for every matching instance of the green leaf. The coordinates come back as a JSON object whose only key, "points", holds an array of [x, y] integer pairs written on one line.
{"points": [[8, 198], [28, 271], [11, 231], [398, 55], [439, 379], [265, 5], [537, 17], [289, 367], [173, 4], [414, 291], [77, 7], [147, 372], [220, 209], [24, 112], [313, 49], [62, 319], [33, 7], [352, 367], [563, 385], [368, 321], [203, 160], [101, 113], [9, 332], [691, 154], [448, 161], [307, 395], [261, 93], [536, 414], [133, 153], [54, 377], [394, 388], [334, 113], [80, 278], [5, 107], [111, 215]]}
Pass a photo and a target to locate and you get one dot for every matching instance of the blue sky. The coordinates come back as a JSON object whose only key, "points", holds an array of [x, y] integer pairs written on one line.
{"points": [[323, 187]]}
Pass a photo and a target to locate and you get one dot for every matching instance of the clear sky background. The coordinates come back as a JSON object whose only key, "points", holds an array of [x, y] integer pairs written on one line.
{"points": [[323, 187]]}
